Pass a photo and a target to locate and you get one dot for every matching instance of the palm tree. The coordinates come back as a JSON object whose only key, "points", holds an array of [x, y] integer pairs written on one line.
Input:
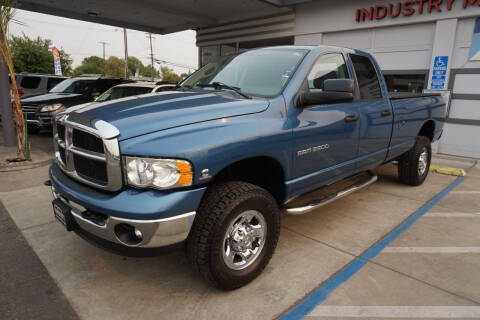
{"points": [[7, 11]]}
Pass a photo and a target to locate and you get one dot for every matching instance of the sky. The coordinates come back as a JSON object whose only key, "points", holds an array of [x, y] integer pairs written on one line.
{"points": [[81, 39]]}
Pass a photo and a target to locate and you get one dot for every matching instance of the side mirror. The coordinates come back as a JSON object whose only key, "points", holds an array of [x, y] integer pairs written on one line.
{"points": [[95, 95], [334, 91]]}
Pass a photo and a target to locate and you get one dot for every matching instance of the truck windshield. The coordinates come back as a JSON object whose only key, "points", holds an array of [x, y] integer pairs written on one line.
{"points": [[261, 72], [73, 86]]}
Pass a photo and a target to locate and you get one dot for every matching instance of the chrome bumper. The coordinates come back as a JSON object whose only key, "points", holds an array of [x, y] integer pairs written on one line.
{"points": [[155, 233]]}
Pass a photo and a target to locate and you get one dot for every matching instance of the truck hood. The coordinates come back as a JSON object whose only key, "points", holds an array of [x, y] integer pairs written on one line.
{"points": [[139, 115], [49, 98]]}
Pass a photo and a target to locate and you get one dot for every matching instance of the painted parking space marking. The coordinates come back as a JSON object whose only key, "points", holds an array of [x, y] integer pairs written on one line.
{"points": [[431, 250], [413, 312], [466, 192], [453, 214], [321, 294]]}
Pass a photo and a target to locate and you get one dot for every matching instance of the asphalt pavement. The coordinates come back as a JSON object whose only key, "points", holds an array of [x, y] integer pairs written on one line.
{"points": [[431, 268]]}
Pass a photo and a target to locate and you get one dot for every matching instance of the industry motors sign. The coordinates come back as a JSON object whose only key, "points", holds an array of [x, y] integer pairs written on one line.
{"points": [[410, 7]]}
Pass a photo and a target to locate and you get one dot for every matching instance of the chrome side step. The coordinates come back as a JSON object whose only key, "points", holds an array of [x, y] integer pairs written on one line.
{"points": [[335, 196]]}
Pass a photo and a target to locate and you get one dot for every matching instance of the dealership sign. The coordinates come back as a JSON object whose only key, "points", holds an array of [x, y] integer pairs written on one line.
{"points": [[410, 7]]}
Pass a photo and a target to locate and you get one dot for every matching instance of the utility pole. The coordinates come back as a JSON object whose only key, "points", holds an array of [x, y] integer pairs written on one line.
{"points": [[103, 44], [151, 56], [126, 51], [6, 110]]}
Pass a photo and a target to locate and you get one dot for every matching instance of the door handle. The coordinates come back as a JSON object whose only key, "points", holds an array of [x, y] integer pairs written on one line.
{"points": [[386, 113], [351, 118]]}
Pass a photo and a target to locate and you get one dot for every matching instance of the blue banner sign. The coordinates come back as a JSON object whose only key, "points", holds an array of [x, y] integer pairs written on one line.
{"points": [[475, 49], [439, 73]]}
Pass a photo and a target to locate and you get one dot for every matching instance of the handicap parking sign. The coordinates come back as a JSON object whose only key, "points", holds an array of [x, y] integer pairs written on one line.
{"points": [[439, 72]]}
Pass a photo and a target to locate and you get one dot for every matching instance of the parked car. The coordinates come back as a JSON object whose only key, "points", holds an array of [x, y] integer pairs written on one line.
{"points": [[31, 84], [242, 139], [40, 109], [127, 90], [133, 89]]}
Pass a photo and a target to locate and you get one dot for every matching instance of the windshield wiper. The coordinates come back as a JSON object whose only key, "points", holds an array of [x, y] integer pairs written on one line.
{"points": [[183, 87], [224, 85]]}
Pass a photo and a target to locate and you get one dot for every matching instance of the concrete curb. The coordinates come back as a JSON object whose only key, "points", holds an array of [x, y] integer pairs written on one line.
{"points": [[25, 165], [448, 171]]}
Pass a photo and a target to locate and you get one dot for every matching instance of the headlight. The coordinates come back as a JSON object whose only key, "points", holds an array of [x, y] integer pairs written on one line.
{"points": [[157, 173], [51, 107]]}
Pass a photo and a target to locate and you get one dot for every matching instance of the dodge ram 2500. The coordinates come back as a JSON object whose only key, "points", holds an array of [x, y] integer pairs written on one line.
{"points": [[215, 162]]}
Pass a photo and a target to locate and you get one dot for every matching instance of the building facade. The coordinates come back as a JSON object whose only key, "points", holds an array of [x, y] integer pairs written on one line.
{"points": [[420, 45]]}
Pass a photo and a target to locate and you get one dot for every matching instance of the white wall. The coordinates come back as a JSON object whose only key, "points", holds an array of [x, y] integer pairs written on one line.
{"points": [[460, 140], [463, 42], [467, 84], [339, 15], [409, 49], [465, 109]]}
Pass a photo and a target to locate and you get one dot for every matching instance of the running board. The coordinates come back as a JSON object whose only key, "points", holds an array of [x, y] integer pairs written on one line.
{"points": [[334, 196]]}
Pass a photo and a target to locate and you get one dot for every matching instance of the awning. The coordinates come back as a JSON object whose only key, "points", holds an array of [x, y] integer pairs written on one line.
{"points": [[160, 16]]}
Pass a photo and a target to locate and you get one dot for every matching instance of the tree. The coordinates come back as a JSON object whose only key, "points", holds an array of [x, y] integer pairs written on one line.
{"points": [[34, 55], [114, 67], [90, 65], [6, 16], [134, 64], [169, 75], [147, 72]]}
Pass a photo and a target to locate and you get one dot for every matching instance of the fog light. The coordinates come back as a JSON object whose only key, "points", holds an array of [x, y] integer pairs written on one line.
{"points": [[128, 234], [138, 233]]}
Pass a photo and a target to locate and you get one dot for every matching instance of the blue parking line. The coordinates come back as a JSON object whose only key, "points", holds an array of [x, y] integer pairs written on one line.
{"points": [[320, 294]]}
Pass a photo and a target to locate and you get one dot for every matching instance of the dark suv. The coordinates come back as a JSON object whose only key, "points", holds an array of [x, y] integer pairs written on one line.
{"points": [[39, 109]]}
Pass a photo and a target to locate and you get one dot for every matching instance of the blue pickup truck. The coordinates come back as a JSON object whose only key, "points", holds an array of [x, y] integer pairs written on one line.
{"points": [[214, 163]]}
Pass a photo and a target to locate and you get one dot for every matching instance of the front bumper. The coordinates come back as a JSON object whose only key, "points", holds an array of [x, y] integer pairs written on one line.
{"points": [[44, 119], [163, 219]]}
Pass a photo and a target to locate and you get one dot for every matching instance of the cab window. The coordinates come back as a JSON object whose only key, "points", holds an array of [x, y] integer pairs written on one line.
{"points": [[328, 66], [366, 77]]}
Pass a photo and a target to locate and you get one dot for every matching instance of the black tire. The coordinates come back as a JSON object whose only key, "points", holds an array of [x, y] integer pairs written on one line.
{"points": [[408, 165], [218, 209]]}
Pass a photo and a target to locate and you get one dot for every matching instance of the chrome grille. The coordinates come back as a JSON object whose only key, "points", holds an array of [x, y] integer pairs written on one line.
{"points": [[30, 110], [87, 150]]}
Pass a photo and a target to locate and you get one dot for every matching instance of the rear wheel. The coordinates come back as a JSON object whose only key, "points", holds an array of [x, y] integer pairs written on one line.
{"points": [[413, 167], [234, 234]]}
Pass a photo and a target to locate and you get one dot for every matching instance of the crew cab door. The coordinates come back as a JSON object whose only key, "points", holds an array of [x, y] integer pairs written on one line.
{"points": [[376, 115], [326, 136]]}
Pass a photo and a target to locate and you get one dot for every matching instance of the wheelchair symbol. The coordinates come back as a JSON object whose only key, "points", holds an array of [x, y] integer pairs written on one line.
{"points": [[440, 62]]}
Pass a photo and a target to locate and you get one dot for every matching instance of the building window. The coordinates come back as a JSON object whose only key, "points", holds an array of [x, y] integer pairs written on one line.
{"points": [[413, 83], [285, 41], [226, 49], [208, 54]]}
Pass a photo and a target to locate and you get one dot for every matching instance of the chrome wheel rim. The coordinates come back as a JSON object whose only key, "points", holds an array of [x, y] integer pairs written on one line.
{"points": [[244, 239], [422, 162]]}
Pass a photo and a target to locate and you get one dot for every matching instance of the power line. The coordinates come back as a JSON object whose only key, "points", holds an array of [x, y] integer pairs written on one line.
{"points": [[175, 64]]}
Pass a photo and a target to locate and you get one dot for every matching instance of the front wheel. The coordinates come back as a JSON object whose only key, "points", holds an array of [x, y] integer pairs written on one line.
{"points": [[234, 234], [413, 167]]}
